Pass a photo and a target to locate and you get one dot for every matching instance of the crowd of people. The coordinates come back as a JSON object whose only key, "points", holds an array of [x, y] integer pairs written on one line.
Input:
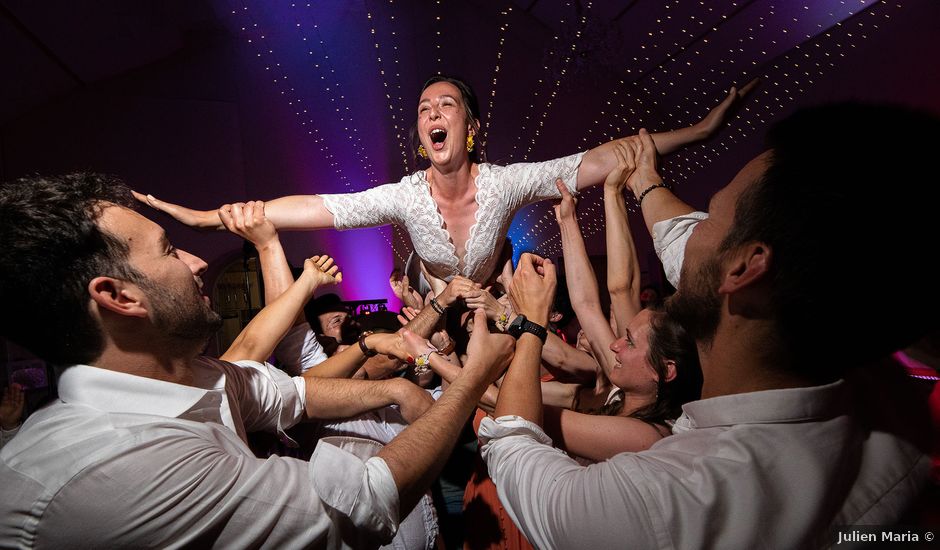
{"points": [[727, 415]]}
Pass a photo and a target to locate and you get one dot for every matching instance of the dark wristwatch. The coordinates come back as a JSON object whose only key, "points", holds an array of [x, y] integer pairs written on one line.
{"points": [[520, 324]]}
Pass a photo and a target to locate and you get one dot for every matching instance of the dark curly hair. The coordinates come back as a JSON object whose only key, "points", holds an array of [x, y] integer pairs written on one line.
{"points": [[52, 248]]}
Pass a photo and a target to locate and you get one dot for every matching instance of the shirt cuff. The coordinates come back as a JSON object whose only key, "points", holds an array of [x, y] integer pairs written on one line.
{"points": [[669, 239], [358, 487], [506, 426], [291, 393]]}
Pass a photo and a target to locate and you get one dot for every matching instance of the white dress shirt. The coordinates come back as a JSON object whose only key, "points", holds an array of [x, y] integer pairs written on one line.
{"points": [[769, 469], [126, 461], [299, 350]]}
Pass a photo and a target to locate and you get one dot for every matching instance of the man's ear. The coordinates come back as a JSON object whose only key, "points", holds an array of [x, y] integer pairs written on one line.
{"points": [[749, 265], [117, 296]]}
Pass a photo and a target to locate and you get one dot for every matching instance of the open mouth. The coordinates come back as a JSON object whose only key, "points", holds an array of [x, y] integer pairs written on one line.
{"points": [[438, 135]]}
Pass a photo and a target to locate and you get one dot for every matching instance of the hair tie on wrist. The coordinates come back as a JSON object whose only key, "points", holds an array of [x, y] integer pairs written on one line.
{"points": [[648, 189]]}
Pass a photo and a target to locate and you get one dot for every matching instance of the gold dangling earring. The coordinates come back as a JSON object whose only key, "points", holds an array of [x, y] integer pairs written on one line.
{"points": [[470, 143], [422, 152]]}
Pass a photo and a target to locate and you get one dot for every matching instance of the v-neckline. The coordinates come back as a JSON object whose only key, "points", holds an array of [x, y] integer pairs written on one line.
{"points": [[456, 263]]}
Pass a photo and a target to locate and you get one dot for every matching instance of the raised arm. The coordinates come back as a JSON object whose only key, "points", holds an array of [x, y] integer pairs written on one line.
{"points": [[657, 202], [599, 161], [249, 222], [257, 341], [623, 267], [416, 456], [532, 291], [582, 283]]}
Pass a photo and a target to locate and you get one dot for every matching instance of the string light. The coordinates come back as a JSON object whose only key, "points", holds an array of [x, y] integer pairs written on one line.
{"points": [[664, 85], [566, 57], [785, 78], [304, 114], [503, 26]]}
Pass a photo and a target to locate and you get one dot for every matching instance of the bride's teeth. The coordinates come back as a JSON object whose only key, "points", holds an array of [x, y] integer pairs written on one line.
{"points": [[438, 135]]}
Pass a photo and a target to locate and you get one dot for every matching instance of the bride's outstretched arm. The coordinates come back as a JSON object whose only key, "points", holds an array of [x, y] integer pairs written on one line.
{"points": [[292, 212]]}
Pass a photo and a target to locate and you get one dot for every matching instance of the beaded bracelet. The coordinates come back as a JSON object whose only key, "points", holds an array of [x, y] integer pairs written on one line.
{"points": [[437, 307], [423, 362], [648, 189]]}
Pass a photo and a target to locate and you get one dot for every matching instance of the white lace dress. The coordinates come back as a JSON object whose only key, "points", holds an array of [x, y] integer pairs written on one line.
{"points": [[501, 192]]}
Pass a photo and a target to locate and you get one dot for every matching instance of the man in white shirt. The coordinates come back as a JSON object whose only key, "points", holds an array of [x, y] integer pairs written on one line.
{"points": [[780, 286], [145, 446]]}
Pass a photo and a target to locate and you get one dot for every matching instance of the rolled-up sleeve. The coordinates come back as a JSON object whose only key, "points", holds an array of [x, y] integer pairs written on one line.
{"points": [[669, 239], [556, 502], [267, 398], [357, 489]]}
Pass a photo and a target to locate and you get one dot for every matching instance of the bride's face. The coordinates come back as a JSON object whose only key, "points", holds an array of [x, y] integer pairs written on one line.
{"points": [[442, 123]]}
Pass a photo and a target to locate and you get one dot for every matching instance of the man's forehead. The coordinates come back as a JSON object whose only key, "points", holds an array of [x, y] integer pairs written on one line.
{"points": [[128, 224], [751, 172]]}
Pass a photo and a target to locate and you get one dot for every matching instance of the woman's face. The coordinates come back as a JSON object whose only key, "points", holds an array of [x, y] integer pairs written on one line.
{"points": [[442, 123], [631, 369]]}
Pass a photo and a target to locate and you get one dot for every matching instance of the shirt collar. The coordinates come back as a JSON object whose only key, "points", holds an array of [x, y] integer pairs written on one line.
{"points": [[777, 406], [118, 392]]}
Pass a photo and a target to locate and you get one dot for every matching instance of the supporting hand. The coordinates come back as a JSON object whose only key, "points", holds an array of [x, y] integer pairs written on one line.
{"points": [[626, 165], [565, 209], [402, 288], [646, 173], [482, 299], [533, 288], [459, 287], [247, 220], [488, 354]]}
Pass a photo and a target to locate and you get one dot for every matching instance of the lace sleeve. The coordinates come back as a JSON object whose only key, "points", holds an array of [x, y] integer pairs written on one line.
{"points": [[528, 182], [377, 206]]}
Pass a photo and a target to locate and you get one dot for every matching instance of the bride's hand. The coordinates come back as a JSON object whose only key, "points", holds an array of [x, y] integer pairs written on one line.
{"points": [[716, 117], [200, 219]]}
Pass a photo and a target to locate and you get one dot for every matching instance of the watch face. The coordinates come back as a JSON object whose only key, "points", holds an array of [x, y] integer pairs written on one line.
{"points": [[515, 328]]}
